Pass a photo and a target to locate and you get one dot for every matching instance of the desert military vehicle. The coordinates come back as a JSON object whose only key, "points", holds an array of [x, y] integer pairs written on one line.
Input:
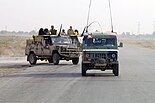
{"points": [[51, 48], [100, 52]]}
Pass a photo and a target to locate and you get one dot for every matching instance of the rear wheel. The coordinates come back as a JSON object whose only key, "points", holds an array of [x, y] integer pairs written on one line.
{"points": [[32, 58], [116, 69], [56, 58], [75, 61], [84, 70]]}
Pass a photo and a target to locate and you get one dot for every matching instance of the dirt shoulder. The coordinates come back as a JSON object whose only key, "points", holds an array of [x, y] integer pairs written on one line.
{"points": [[12, 54], [142, 43]]}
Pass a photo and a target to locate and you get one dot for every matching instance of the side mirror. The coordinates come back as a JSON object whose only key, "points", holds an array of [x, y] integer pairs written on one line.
{"points": [[120, 44]]}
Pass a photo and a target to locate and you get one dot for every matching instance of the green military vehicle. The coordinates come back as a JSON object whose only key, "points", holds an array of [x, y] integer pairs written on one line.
{"points": [[100, 52], [51, 48]]}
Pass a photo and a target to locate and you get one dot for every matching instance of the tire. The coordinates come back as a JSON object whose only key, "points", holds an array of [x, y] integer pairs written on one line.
{"points": [[32, 58], [75, 61], [116, 70], [50, 60], [84, 70], [55, 58]]}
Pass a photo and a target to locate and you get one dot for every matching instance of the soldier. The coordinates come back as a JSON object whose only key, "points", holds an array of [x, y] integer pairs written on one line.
{"points": [[63, 32], [46, 31], [53, 31], [75, 37], [41, 31], [70, 31], [76, 32]]}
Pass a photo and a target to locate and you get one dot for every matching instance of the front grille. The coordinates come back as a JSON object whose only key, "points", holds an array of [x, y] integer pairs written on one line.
{"points": [[103, 56], [99, 55], [68, 49]]}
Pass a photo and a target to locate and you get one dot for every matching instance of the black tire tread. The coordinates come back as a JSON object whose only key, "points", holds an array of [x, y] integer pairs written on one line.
{"points": [[75, 61], [83, 70], [56, 62], [116, 70], [35, 58]]}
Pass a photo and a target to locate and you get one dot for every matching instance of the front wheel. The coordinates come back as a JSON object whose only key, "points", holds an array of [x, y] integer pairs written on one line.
{"points": [[56, 58], [75, 61], [32, 58], [84, 70], [116, 70]]}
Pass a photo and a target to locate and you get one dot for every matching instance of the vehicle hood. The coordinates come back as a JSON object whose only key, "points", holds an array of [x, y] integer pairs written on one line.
{"points": [[68, 46]]}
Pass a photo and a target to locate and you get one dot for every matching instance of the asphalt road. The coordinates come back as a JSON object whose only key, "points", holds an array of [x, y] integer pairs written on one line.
{"points": [[46, 83]]}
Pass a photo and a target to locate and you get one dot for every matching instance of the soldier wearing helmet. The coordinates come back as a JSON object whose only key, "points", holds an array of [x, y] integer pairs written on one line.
{"points": [[70, 32], [53, 31]]}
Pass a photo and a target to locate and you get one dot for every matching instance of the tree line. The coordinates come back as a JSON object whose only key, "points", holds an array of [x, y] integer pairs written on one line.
{"points": [[33, 32]]}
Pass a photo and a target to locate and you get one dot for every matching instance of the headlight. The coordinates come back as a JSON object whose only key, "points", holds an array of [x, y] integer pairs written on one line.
{"points": [[63, 49], [87, 55], [113, 55]]}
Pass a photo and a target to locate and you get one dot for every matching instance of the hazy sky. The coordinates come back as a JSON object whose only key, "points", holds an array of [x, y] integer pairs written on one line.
{"points": [[27, 15]]}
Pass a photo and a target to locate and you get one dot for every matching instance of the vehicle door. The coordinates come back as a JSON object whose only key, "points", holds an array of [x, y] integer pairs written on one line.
{"points": [[47, 44]]}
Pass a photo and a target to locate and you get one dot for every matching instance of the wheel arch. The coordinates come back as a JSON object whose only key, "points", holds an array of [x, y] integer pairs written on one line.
{"points": [[55, 51]]}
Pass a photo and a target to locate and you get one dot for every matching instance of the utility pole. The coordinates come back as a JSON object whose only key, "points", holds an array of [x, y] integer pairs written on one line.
{"points": [[6, 28], [153, 33], [154, 26], [138, 28]]}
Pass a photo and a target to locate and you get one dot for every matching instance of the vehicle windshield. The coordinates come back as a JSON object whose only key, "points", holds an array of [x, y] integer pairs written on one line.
{"points": [[61, 40], [106, 42]]}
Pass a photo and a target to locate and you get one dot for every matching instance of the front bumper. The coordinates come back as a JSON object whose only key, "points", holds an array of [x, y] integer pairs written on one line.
{"points": [[93, 63], [101, 66], [70, 54]]}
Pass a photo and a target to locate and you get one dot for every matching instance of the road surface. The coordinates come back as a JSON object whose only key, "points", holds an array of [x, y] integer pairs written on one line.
{"points": [[46, 83]]}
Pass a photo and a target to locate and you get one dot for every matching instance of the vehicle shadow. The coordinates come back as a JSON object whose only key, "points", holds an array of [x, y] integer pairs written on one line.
{"points": [[16, 66], [45, 75], [99, 75], [59, 75], [51, 64], [51, 74], [26, 66]]}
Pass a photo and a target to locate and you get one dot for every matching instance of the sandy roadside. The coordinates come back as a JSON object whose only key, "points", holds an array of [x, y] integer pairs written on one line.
{"points": [[12, 45], [150, 44]]}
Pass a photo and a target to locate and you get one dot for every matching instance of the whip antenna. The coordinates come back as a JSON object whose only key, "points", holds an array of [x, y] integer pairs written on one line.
{"points": [[111, 17], [88, 16]]}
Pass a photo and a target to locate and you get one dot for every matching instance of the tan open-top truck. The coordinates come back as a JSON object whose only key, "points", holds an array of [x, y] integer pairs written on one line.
{"points": [[51, 48]]}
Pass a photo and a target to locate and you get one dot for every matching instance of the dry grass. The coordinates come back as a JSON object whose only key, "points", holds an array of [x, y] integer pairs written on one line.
{"points": [[12, 45], [143, 43]]}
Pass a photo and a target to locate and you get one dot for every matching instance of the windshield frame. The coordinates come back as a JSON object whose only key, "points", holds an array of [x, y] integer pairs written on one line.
{"points": [[61, 40], [88, 45]]}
